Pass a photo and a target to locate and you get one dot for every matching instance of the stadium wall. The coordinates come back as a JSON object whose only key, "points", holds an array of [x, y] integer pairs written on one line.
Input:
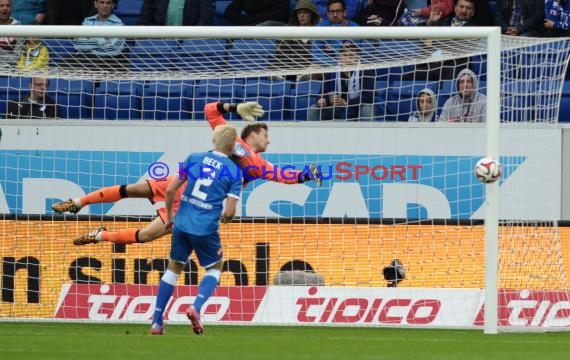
{"points": [[42, 272], [51, 278], [376, 170]]}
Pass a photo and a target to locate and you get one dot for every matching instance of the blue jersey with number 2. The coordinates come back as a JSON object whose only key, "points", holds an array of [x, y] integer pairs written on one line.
{"points": [[211, 177]]}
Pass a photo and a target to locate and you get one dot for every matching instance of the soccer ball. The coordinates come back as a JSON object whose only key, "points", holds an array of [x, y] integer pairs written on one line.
{"points": [[488, 170]]}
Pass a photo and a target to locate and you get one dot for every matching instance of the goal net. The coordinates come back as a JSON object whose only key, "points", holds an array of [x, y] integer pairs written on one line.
{"points": [[395, 236]]}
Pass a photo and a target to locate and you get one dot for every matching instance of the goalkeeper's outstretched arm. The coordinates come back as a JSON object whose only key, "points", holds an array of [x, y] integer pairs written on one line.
{"points": [[249, 111], [256, 166]]}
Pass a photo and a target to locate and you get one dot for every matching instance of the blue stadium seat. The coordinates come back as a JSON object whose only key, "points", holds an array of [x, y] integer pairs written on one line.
{"points": [[168, 100], [402, 97], [128, 11], [153, 54], [251, 54], [201, 54], [59, 49], [128, 6], [493, 6], [564, 115], [533, 59], [272, 95], [117, 100], [478, 64], [518, 102], [3, 95], [303, 95], [12, 88], [219, 9], [446, 90], [381, 101], [73, 97], [210, 90]]}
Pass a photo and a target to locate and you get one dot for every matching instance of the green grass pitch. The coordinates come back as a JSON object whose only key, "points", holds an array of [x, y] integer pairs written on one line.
{"points": [[127, 341]]}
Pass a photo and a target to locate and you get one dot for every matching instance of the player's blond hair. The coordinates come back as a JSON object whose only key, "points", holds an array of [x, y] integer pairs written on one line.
{"points": [[224, 138]]}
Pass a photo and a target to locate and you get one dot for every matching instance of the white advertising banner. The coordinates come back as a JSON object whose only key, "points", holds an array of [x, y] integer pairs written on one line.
{"points": [[371, 170], [311, 305]]}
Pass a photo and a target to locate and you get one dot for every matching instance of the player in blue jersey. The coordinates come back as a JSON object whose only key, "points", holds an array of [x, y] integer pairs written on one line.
{"points": [[211, 177]]}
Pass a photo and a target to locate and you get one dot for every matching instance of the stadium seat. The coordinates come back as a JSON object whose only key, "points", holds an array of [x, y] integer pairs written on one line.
{"points": [[3, 95], [167, 100], [206, 91], [272, 95], [446, 90], [117, 100], [518, 102], [201, 54], [402, 97], [533, 59], [478, 64], [59, 49], [249, 55], [303, 95], [153, 54], [381, 101], [564, 115], [73, 97], [12, 88], [219, 9], [493, 6], [128, 11], [547, 102]]}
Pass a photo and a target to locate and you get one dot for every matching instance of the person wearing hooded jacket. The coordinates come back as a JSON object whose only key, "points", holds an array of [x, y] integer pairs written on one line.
{"points": [[297, 52], [468, 105], [426, 107]]}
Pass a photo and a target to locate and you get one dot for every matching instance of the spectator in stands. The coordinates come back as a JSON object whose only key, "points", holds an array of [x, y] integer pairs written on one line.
{"points": [[483, 14], [426, 107], [352, 8], [556, 19], [297, 52], [36, 105], [520, 17], [382, 13], [176, 12], [463, 15], [34, 55], [346, 95], [258, 12], [29, 12], [326, 51], [468, 105], [101, 47], [68, 12], [9, 46], [305, 14], [417, 17]]}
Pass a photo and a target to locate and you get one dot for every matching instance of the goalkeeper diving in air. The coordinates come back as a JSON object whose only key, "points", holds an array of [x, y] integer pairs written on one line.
{"points": [[254, 140]]}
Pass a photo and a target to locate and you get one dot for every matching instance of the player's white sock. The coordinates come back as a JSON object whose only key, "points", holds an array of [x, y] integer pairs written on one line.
{"points": [[77, 201]]}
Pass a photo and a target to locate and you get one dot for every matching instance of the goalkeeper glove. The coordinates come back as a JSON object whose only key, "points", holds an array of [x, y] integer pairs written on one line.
{"points": [[250, 110], [313, 174]]}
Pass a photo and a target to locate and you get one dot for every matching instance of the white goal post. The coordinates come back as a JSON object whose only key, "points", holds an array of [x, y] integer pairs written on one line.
{"points": [[394, 54]]}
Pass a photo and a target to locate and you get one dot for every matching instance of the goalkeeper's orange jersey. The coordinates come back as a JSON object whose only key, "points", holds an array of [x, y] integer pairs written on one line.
{"points": [[249, 160]]}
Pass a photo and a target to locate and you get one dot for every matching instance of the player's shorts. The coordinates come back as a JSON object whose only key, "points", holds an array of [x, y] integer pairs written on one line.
{"points": [[208, 248], [158, 188]]}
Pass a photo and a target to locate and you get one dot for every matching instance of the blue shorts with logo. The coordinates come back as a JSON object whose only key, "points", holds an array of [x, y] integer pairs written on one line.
{"points": [[208, 248]]}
